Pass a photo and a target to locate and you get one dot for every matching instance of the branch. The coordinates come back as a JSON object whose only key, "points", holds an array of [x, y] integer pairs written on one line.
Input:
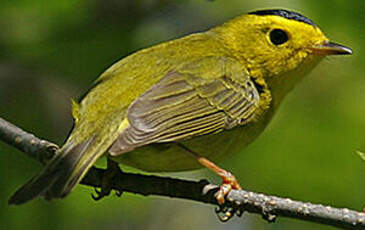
{"points": [[237, 201]]}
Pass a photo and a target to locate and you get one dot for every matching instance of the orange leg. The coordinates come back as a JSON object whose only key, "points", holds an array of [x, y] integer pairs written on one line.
{"points": [[229, 181]]}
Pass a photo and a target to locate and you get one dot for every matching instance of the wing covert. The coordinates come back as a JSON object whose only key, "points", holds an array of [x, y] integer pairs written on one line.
{"points": [[182, 105]]}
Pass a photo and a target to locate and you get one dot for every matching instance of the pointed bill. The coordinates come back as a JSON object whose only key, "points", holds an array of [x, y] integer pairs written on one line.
{"points": [[330, 48]]}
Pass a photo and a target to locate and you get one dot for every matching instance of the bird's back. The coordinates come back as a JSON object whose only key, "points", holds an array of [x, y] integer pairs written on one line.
{"points": [[107, 102]]}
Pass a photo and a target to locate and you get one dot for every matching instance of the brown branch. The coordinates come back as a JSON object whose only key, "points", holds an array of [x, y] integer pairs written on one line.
{"points": [[237, 201]]}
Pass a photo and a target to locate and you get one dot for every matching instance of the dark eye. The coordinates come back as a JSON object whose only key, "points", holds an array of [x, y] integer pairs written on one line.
{"points": [[278, 36]]}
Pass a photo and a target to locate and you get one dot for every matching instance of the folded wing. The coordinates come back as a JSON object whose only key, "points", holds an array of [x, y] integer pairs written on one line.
{"points": [[181, 106]]}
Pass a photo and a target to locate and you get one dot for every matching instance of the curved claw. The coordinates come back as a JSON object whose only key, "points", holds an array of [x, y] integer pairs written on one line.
{"points": [[118, 193], [96, 198], [98, 195], [98, 192], [224, 213]]}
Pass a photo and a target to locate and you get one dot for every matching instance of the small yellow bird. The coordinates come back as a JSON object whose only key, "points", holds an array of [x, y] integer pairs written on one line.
{"points": [[187, 103]]}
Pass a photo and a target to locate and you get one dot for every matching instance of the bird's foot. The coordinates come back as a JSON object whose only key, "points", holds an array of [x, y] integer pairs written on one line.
{"points": [[107, 181], [225, 212], [229, 182]]}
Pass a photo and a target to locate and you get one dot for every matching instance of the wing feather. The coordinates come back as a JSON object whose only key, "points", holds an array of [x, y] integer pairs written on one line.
{"points": [[181, 106]]}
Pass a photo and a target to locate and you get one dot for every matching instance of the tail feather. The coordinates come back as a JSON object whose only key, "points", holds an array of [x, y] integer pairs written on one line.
{"points": [[63, 172], [32, 189]]}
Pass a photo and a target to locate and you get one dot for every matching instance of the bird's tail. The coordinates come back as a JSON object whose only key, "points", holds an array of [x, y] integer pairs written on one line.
{"points": [[63, 172]]}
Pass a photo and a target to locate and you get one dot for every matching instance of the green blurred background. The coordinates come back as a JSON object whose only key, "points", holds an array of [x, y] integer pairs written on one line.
{"points": [[52, 50]]}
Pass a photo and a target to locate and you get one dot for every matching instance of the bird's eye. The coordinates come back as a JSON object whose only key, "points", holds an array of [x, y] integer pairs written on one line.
{"points": [[278, 36]]}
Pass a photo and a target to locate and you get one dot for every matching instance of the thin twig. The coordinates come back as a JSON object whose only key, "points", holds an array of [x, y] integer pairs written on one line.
{"points": [[237, 201]]}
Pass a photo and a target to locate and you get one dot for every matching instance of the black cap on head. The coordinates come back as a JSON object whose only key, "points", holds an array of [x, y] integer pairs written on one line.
{"points": [[286, 14]]}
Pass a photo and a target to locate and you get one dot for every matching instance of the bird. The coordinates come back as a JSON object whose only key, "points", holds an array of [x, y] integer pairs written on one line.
{"points": [[187, 103]]}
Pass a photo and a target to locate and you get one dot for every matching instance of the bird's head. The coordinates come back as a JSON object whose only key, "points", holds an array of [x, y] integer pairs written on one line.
{"points": [[278, 45]]}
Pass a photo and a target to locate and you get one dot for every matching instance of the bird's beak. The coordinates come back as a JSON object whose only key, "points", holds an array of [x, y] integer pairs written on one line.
{"points": [[330, 48]]}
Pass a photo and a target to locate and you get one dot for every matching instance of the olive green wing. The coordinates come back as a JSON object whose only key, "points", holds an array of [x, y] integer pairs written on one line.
{"points": [[181, 106]]}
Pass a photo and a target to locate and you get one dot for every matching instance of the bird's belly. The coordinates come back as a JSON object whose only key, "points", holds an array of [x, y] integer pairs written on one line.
{"points": [[170, 157]]}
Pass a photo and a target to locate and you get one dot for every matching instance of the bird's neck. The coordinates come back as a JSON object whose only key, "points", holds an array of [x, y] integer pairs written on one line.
{"points": [[281, 85]]}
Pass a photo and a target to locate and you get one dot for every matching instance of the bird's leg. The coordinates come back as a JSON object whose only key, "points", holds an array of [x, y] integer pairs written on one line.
{"points": [[107, 181], [229, 181]]}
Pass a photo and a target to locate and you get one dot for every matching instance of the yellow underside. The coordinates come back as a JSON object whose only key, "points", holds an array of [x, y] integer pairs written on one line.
{"points": [[170, 157]]}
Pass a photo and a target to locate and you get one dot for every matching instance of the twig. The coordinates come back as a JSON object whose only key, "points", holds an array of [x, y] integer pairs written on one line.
{"points": [[237, 201]]}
